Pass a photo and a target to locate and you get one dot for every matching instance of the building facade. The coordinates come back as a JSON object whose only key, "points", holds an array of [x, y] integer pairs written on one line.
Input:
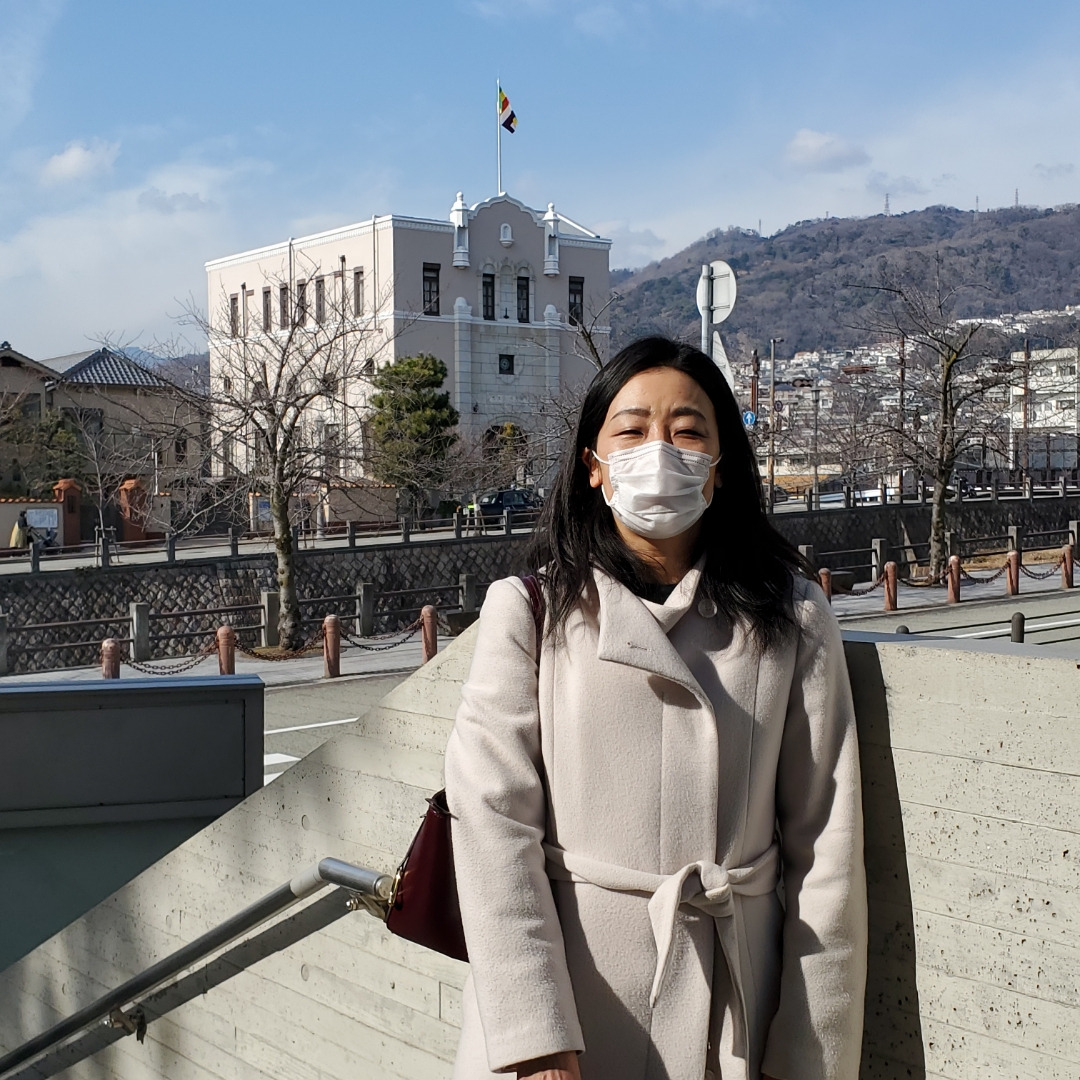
{"points": [[498, 292]]}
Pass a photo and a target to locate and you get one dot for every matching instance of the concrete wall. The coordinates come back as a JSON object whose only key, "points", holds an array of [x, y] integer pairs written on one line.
{"points": [[971, 796], [99, 780]]}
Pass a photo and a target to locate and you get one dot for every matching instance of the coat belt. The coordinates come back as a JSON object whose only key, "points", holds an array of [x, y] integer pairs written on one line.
{"points": [[703, 885]]}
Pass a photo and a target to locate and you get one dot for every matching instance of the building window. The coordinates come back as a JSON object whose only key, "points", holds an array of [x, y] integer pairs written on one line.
{"points": [[431, 288], [369, 366], [283, 306], [320, 300], [180, 449], [488, 296], [358, 293], [268, 308], [226, 384], [506, 364], [577, 300], [301, 303], [234, 315], [523, 299]]}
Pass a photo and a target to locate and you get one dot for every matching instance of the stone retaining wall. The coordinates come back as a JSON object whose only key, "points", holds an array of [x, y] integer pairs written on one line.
{"points": [[75, 596]]}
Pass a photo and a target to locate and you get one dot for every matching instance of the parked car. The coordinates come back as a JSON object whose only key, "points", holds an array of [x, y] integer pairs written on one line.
{"points": [[779, 494], [493, 503]]}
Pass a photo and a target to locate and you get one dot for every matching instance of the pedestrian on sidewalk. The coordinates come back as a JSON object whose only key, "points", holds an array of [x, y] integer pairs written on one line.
{"points": [[656, 810]]}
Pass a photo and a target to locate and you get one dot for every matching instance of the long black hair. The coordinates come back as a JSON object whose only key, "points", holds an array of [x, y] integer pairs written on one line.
{"points": [[749, 565]]}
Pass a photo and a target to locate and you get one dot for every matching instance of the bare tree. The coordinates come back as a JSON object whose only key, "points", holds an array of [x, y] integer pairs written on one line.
{"points": [[956, 380], [289, 408]]}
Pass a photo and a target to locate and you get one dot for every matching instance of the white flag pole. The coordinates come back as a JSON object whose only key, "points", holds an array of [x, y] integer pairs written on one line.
{"points": [[498, 130]]}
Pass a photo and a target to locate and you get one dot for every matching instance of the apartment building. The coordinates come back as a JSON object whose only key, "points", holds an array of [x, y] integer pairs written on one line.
{"points": [[1043, 413], [497, 291]]}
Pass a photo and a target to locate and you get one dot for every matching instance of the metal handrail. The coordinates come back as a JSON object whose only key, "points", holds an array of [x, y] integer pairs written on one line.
{"points": [[372, 889]]}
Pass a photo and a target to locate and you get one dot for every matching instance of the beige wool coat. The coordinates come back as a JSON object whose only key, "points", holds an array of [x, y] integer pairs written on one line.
{"points": [[622, 815]]}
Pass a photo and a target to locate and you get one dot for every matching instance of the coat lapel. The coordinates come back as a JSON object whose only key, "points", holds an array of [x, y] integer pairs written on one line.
{"points": [[631, 634]]}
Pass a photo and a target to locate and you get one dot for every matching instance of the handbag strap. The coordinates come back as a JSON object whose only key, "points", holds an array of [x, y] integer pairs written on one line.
{"points": [[536, 602]]}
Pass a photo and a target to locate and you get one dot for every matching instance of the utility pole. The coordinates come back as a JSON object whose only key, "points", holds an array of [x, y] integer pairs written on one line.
{"points": [[1025, 462], [815, 394], [773, 342], [900, 418], [755, 374]]}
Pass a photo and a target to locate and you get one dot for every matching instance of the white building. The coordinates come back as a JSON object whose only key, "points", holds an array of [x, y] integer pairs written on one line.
{"points": [[1043, 415], [496, 292]]}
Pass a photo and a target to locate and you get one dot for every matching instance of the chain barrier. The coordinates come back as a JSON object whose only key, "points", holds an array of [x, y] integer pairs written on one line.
{"points": [[178, 668], [869, 589], [409, 632], [972, 580], [941, 579], [1042, 576], [291, 654]]}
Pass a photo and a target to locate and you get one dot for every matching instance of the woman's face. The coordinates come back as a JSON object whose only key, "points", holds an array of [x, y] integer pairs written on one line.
{"points": [[662, 404]]}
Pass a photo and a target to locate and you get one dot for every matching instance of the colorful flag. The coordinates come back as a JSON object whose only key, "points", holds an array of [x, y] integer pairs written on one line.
{"points": [[507, 116]]}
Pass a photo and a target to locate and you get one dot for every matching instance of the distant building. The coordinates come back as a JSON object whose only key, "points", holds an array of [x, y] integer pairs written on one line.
{"points": [[1044, 418], [496, 292]]}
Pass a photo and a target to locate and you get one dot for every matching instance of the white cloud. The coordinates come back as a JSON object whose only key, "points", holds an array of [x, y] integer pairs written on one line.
{"points": [[79, 161], [883, 184], [821, 151], [26, 25], [1054, 172], [631, 247]]}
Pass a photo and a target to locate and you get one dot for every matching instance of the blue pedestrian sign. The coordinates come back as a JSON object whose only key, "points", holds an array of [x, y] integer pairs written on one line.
{"points": [[749, 418]]}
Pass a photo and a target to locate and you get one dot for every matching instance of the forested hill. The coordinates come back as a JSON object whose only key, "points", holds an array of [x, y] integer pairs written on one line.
{"points": [[800, 283]]}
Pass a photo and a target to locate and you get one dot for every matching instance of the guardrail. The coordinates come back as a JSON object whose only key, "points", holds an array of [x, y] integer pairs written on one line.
{"points": [[152, 993], [107, 551]]}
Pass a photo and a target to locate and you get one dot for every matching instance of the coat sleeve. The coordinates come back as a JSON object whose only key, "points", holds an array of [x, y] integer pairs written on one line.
{"points": [[498, 805], [817, 1031]]}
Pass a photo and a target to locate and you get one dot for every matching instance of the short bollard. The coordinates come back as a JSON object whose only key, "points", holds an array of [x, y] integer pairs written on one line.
{"points": [[1016, 628], [954, 579], [1067, 567], [226, 650], [429, 633], [1012, 573], [890, 586], [824, 576], [331, 646], [110, 658]]}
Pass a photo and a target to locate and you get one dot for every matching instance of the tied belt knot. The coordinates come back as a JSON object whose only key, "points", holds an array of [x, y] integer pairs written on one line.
{"points": [[704, 885]]}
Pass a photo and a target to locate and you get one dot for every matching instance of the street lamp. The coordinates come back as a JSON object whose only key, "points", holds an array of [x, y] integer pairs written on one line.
{"points": [[773, 342]]}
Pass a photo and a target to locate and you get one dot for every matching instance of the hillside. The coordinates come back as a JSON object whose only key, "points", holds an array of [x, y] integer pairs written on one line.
{"points": [[799, 283]]}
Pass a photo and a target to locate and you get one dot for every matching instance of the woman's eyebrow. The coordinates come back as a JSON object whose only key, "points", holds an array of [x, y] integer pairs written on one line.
{"points": [[633, 410], [688, 410]]}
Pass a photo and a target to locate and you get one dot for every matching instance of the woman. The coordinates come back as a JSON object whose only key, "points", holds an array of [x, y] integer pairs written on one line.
{"points": [[628, 793]]}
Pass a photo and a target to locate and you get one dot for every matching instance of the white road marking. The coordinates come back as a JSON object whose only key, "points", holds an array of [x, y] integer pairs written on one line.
{"points": [[308, 727], [278, 759]]}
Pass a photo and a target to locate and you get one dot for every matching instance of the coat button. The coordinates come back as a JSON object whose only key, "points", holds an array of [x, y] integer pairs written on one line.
{"points": [[706, 608]]}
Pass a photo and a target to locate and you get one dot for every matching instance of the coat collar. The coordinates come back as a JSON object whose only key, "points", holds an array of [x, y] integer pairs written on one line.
{"points": [[635, 632]]}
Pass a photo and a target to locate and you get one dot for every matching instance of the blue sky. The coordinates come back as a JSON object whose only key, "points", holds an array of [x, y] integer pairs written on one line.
{"points": [[140, 138]]}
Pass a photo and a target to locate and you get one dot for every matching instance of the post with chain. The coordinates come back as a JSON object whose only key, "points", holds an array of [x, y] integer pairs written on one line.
{"points": [[1016, 628], [271, 613], [365, 609], [508, 521], [35, 557], [1016, 538], [890, 586], [234, 542], [1067, 567], [954, 579], [110, 658], [170, 547], [429, 633], [825, 580], [1074, 537], [459, 523], [226, 650], [331, 646], [1012, 573]]}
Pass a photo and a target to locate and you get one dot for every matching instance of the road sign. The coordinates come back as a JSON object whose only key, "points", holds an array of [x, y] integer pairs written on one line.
{"points": [[779, 406], [716, 291], [749, 418]]}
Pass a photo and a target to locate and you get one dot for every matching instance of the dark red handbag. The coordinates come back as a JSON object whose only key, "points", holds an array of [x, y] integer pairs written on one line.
{"points": [[424, 905]]}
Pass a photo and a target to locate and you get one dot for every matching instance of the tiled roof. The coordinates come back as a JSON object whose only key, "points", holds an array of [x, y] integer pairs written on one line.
{"points": [[102, 367]]}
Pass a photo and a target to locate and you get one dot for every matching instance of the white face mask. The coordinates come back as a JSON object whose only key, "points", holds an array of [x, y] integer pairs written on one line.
{"points": [[656, 488]]}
